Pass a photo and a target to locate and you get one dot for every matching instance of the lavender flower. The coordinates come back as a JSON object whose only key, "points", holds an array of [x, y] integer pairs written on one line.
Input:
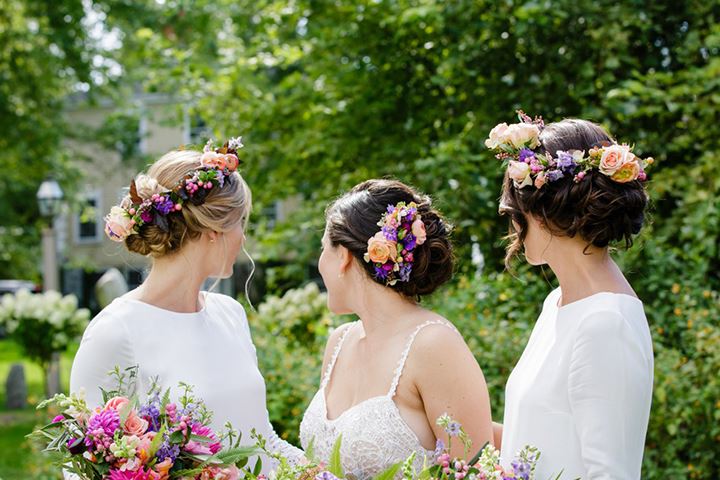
{"points": [[405, 270], [381, 273], [151, 413], [553, 175], [521, 469], [390, 233], [526, 155], [167, 450], [390, 208], [439, 448], [453, 429], [325, 476], [565, 162], [164, 205]]}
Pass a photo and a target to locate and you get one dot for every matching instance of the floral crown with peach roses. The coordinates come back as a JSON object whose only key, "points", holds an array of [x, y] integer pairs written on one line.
{"points": [[391, 249], [148, 203], [516, 144]]}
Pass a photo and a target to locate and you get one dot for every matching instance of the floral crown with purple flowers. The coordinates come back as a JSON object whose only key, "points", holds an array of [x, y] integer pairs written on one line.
{"points": [[391, 249], [148, 203], [516, 145]]}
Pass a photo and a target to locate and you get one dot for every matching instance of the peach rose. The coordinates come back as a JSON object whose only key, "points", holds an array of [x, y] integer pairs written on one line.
{"points": [[379, 249], [135, 425], [231, 161], [213, 160], [116, 403], [496, 136], [627, 173], [163, 468], [614, 157], [118, 224], [540, 180], [418, 229], [521, 135], [519, 172]]}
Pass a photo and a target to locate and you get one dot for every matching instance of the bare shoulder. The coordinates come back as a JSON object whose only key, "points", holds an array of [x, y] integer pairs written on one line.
{"points": [[334, 340]]}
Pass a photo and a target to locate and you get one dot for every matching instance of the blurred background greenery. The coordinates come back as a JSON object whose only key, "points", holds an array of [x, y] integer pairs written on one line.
{"points": [[328, 93]]}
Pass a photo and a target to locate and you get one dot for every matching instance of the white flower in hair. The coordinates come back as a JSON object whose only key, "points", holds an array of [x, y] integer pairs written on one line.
{"points": [[235, 143], [147, 187]]}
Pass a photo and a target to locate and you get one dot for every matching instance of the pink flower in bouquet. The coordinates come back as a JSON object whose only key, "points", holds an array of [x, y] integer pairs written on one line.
{"points": [[116, 403], [135, 425], [220, 473], [163, 469], [207, 448], [143, 447], [139, 474]]}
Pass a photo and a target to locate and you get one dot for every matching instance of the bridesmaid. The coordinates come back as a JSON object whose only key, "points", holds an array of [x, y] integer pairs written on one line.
{"points": [[582, 389]]}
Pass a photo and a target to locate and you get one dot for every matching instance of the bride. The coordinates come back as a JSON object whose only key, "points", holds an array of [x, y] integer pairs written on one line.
{"points": [[387, 377]]}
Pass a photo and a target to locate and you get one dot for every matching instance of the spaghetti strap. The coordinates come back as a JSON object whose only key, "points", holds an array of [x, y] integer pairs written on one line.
{"points": [[336, 353], [403, 358]]}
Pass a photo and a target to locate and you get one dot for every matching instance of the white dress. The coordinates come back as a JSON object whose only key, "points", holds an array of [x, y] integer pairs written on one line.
{"points": [[582, 389], [210, 349], [374, 434]]}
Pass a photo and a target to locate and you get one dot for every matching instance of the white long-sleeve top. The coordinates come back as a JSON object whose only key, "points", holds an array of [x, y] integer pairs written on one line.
{"points": [[582, 389], [211, 349]]}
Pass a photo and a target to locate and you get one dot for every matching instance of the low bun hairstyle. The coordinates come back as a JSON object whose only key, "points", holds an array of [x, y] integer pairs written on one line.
{"points": [[222, 210], [599, 210], [353, 219]]}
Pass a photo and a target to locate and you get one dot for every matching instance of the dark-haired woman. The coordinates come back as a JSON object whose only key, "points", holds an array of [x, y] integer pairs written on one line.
{"points": [[582, 389], [388, 377]]}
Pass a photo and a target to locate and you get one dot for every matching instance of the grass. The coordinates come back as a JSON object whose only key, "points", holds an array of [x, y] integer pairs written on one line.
{"points": [[15, 450]]}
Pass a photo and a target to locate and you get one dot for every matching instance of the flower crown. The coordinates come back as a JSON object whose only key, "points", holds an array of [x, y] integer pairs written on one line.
{"points": [[148, 203], [391, 249], [516, 145]]}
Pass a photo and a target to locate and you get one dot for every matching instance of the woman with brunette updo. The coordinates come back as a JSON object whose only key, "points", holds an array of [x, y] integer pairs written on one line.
{"points": [[387, 377], [582, 389]]}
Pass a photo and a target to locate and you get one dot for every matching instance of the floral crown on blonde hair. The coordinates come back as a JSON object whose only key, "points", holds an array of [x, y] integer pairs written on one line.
{"points": [[148, 203], [516, 144], [391, 249]]}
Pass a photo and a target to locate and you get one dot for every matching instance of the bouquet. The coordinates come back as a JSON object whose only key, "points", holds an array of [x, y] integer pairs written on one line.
{"points": [[126, 439]]}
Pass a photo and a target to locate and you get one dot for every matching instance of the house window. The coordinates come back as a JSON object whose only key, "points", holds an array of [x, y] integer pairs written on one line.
{"points": [[88, 224]]}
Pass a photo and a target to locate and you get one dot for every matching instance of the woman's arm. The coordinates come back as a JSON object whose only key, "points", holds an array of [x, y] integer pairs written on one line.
{"points": [[497, 434], [450, 381]]}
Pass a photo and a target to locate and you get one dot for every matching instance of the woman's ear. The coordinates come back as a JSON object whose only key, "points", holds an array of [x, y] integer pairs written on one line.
{"points": [[346, 259], [212, 236]]}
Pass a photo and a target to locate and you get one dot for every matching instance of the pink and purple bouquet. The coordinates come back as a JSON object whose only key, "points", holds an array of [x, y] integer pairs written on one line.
{"points": [[126, 439]]}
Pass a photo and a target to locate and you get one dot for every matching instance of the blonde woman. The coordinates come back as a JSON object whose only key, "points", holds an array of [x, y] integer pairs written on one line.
{"points": [[188, 213]]}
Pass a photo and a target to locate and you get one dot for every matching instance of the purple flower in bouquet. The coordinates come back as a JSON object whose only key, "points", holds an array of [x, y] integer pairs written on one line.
{"points": [[521, 469], [325, 476], [140, 474], [151, 413], [453, 429], [101, 429], [167, 450], [439, 448]]}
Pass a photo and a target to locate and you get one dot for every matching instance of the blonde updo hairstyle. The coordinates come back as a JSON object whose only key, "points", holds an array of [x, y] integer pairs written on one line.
{"points": [[222, 210]]}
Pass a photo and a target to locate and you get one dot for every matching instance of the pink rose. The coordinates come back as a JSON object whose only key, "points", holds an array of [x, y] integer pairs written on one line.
{"points": [[134, 425], [614, 157], [380, 250], [520, 173], [213, 160], [627, 173], [418, 229], [496, 136], [118, 224], [116, 403]]}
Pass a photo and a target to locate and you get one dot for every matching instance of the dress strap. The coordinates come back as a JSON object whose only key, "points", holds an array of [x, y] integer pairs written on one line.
{"points": [[403, 358], [336, 353]]}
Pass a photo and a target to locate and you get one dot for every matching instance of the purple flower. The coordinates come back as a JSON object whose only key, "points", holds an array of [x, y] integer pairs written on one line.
{"points": [[325, 476], [164, 205], [390, 233], [521, 469], [380, 273], [146, 216], [565, 162], [453, 429], [526, 155], [405, 270], [554, 175], [409, 242], [151, 413], [108, 421], [167, 450], [439, 448], [390, 208]]}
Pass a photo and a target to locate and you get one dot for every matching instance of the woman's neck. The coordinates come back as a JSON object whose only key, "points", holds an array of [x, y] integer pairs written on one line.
{"points": [[382, 311], [172, 284], [582, 273]]}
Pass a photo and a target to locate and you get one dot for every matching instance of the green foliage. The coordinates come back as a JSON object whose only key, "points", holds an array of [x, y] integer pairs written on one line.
{"points": [[290, 333]]}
